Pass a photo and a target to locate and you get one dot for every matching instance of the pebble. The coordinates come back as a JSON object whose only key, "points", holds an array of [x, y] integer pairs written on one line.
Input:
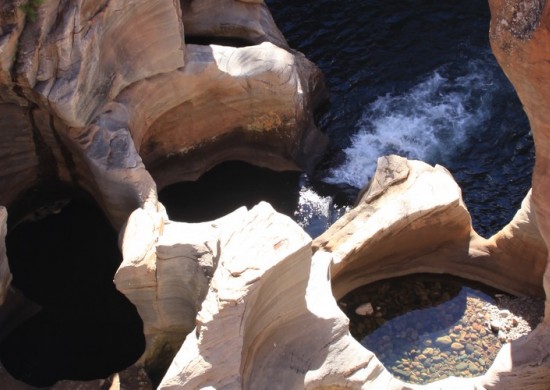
{"points": [[444, 340], [495, 325], [365, 309], [457, 346]]}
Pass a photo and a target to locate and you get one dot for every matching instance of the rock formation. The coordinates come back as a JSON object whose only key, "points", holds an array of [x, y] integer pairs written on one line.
{"points": [[92, 96], [121, 97], [412, 219]]}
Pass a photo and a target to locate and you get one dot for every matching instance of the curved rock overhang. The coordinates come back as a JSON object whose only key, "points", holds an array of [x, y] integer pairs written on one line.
{"points": [[106, 128]]}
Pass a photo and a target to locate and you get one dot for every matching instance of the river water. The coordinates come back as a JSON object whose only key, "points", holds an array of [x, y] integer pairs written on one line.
{"points": [[415, 78]]}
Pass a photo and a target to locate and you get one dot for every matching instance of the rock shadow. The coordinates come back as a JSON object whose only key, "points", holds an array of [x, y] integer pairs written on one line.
{"points": [[63, 256], [228, 186]]}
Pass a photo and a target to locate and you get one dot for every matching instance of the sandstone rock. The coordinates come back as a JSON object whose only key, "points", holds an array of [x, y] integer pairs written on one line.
{"points": [[246, 336], [5, 274], [166, 270], [418, 223], [249, 21], [261, 113], [77, 56], [88, 99], [20, 163]]}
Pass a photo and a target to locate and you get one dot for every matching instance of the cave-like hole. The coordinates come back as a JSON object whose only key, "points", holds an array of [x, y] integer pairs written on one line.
{"points": [[63, 256], [427, 327], [227, 187], [219, 40]]}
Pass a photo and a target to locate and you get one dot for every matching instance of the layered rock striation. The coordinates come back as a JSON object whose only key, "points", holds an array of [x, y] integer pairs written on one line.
{"points": [[281, 321], [124, 97], [109, 95]]}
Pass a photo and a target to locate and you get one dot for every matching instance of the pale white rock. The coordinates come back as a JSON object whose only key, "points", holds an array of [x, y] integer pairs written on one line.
{"points": [[165, 273], [496, 325], [365, 309]]}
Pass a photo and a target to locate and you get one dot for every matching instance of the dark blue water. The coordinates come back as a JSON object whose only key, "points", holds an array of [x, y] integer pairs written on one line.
{"points": [[416, 78]]}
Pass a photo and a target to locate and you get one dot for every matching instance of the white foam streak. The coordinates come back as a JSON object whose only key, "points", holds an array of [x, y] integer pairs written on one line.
{"points": [[427, 123]]}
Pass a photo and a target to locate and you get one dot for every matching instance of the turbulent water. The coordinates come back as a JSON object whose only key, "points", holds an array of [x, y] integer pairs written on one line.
{"points": [[414, 78]]}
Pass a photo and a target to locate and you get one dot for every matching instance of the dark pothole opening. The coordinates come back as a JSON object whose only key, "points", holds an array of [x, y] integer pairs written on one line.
{"points": [[427, 327], [63, 255], [228, 186], [219, 40]]}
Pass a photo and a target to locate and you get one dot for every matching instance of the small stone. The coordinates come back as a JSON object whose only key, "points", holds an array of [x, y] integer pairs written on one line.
{"points": [[461, 366], [365, 309], [457, 346], [496, 325], [473, 368], [444, 340], [504, 313], [469, 348], [428, 351]]}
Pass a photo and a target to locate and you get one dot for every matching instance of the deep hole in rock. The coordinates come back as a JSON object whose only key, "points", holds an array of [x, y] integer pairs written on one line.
{"points": [[427, 327], [220, 41], [63, 257], [227, 187]]}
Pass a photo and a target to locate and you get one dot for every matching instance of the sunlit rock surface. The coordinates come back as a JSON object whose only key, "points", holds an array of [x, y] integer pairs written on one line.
{"points": [[112, 97], [281, 321]]}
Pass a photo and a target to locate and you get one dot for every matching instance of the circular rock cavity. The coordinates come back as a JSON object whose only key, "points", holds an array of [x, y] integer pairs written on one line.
{"points": [[428, 327], [227, 187], [63, 255]]}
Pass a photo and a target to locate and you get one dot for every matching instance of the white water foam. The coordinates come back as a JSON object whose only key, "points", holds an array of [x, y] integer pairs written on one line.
{"points": [[427, 123], [315, 213]]}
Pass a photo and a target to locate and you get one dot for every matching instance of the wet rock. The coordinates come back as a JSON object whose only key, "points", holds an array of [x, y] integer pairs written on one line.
{"points": [[457, 346], [444, 340]]}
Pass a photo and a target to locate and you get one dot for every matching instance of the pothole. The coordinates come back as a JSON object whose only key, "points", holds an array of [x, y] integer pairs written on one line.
{"points": [[428, 327], [221, 41], [63, 256], [227, 187]]}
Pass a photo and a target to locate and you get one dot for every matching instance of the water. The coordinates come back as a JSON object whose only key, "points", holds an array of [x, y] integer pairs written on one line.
{"points": [[416, 78], [425, 327]]}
